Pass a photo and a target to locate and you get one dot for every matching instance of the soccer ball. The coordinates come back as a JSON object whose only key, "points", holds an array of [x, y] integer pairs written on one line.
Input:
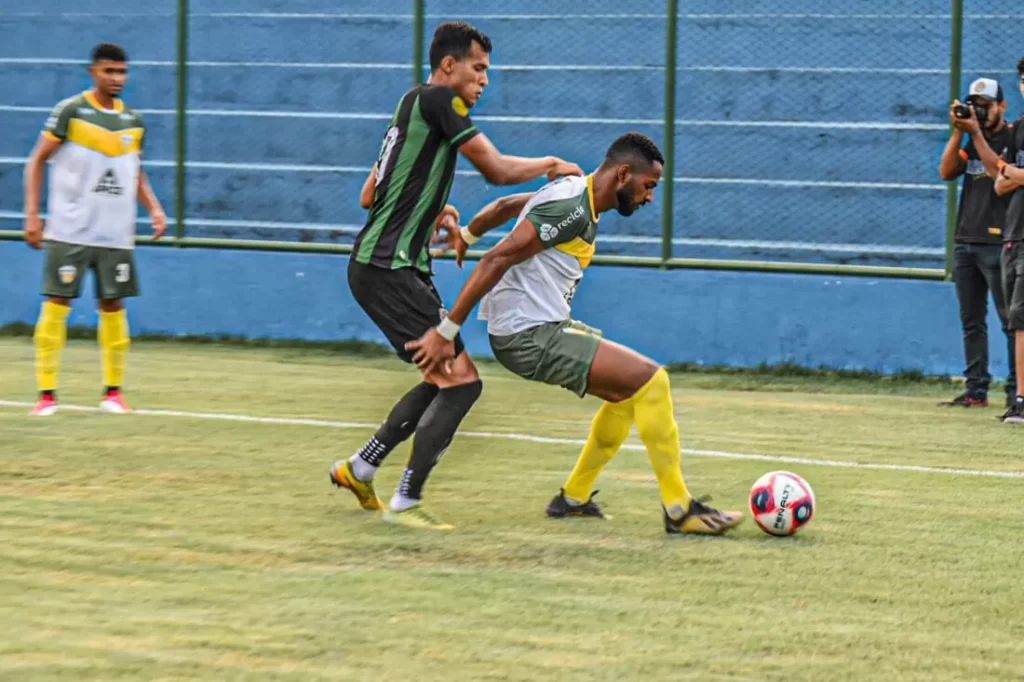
{"points": [[782, 503]]}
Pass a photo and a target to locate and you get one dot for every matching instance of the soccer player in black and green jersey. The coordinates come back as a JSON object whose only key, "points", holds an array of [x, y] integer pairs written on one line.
{"points": [[389, 271]]}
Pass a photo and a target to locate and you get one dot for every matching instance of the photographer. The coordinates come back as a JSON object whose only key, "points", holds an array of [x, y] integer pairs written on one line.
{"points": [[979, 231], [1008, 184]]}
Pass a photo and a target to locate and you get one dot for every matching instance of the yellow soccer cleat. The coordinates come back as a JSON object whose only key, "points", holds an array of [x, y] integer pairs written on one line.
{"points": [[415, 517], [701, 519], [343, 477]]}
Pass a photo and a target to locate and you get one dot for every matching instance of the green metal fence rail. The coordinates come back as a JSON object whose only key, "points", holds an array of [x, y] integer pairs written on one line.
{"points": [[956, 33], [179, 237]]}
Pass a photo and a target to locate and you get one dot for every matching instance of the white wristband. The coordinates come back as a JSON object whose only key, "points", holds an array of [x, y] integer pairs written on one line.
{"points": [[448, 329], [468, 236]]}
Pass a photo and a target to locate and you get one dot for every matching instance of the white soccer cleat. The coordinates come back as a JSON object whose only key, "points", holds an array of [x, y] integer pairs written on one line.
{"points": [[113, 403]]}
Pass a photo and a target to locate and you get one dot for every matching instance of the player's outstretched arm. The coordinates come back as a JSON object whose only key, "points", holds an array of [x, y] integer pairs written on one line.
{"points": [[498, 212], [433, 349], [500, 169], [34, 170], [152, 205]]}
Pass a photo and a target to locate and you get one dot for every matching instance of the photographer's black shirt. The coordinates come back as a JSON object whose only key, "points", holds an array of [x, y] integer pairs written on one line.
{"points": [[1014, 156], [982, 214]]}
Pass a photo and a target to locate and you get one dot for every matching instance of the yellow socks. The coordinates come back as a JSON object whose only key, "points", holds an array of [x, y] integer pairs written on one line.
{"points": [[50, 336], [608, 432], [656, 423], [114, 342]]}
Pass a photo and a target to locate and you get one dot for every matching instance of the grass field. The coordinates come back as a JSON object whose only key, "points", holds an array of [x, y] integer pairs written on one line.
{"points": [[175, 547]]}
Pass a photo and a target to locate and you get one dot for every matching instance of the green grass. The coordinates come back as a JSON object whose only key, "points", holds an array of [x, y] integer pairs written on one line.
{"points": [[170, 548]]}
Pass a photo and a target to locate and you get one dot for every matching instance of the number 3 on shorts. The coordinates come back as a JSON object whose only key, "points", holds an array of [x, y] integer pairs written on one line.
{"points": [[123, 273]]}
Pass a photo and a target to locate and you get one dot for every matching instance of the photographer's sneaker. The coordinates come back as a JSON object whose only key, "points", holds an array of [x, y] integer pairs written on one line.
{"points": [[966, 400], [1015, 413]]}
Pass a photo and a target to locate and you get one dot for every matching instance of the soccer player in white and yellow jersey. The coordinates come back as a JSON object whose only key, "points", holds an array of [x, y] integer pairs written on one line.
{"points": [[94, 144]]}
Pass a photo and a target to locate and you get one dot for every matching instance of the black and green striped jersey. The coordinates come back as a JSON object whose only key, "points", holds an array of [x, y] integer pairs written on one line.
{"points": [[415, 170]]}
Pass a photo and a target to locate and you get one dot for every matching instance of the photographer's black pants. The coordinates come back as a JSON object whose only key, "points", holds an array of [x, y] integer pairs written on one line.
{"points": [[977, 271]]}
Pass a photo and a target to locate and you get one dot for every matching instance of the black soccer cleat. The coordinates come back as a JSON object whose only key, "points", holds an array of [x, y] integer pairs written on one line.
{"points": [[700, 519], [559, 507]]}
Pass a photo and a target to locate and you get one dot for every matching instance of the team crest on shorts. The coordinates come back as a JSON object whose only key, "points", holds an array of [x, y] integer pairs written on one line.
{"points": [[67, 273]]}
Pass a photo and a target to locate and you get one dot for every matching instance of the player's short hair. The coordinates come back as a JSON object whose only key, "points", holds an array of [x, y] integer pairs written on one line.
{"points": [[1020, 66], [455, 39], [109, 51], [634, 149]]}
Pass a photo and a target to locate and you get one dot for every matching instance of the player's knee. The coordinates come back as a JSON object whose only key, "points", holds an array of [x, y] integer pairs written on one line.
{"points": [[112, 305], [60, 300]]}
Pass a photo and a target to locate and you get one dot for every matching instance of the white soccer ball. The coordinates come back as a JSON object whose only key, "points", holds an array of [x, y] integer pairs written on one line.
{"points": [[781, 502]]}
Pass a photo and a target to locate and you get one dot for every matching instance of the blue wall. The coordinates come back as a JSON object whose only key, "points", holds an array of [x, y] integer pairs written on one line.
{"points": [[680, 316], [779, 144]]}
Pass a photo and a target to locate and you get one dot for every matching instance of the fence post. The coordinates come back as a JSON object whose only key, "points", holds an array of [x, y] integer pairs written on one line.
{"points": [[955, 65], [668, 181], [181, 137], [418, 10]]}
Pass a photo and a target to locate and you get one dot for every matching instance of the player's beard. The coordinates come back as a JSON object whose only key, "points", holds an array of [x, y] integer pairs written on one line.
{"points": [[624, 197]]}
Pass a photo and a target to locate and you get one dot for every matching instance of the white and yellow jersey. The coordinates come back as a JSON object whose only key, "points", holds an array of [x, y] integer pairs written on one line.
{"points": [[94, 174], [540, 289]]}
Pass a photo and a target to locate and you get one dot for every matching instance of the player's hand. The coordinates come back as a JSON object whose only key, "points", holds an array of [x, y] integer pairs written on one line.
{"points": [[449, 215], [562, 168], [159, 220], [449, 238], [34, 231], [433, 352]]}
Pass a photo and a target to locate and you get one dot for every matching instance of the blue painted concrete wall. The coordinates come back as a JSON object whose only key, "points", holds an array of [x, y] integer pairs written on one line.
{"points": [[680, 316], [770, 107]]}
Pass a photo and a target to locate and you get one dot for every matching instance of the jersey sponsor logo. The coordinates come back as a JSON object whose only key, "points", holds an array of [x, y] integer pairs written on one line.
{"points": [[67, 273], [127, 141], [85, 111], [109, 185], [126, 117], [459, 106], [1020, 157], [549, 232], [975, 167]]}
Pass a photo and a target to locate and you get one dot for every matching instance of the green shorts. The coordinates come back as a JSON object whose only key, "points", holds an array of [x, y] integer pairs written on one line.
{"points": [[559, 353], [66, 265]]}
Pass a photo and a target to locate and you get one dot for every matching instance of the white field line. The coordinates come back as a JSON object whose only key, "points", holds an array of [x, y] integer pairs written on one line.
{"points": [[550, 440]]}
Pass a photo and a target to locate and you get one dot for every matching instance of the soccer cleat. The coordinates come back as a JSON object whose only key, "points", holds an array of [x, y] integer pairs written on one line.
{"points": [[113, 403], [1014, 413], [46, 406], [343, 477], [701, 519], [415, 517], [559, 507], [965, 400]]}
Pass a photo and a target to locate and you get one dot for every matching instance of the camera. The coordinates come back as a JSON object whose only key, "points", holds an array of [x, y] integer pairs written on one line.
{"points": [[964, 111]]}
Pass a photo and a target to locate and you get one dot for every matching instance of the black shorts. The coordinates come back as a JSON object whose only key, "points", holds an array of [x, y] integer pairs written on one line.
{"points": [[1013, 283], [402, 303]]}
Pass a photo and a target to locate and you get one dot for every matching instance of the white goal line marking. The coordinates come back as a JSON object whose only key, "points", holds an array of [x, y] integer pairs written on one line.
{"points": [[551, 440]]}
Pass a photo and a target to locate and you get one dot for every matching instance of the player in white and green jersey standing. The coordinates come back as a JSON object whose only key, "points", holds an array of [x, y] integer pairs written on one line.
{"points": [[94, 144], [527, 283]]}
